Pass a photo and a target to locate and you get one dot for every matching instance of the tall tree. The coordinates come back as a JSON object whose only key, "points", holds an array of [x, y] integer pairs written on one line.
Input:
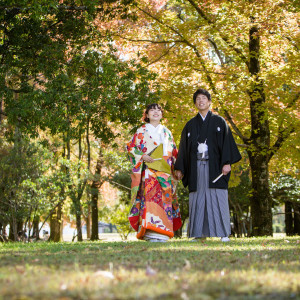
{"points": [[60, 84], [247, 54]]}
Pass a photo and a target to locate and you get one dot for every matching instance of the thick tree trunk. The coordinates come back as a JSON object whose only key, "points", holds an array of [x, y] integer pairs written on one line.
{"points": [[289, 226], [94, 206], [95, 192], [261, 209], [55, 224], [78, 225], [1, 110], [35, 225], [261, 202], [13, 231], [88, 222], [296, 207], [88, 219]]}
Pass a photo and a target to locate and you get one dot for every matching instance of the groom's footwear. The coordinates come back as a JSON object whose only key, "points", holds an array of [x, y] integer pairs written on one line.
{"points": [[225, 239]]}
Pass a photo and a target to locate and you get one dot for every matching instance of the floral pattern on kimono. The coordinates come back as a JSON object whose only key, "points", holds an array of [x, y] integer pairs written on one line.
{"points": [[154, 200]]}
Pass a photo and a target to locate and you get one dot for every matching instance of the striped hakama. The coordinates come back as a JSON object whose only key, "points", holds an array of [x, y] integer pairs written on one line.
{"points": [[208, 207]]}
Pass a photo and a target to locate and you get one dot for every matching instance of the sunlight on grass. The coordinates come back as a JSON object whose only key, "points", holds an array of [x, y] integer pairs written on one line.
{"points": [[256, 268]]}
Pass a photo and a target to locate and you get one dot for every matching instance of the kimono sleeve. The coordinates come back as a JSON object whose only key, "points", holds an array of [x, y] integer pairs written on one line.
{"points": [[230, 152], [136, 150]]}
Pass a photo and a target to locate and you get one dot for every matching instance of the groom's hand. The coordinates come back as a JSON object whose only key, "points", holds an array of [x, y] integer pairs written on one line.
{"points": [[226, 169]]}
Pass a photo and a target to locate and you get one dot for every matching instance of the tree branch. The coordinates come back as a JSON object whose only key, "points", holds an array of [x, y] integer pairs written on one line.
{"points": [[65, 7], [120, 185], [51, 211], [224, 38], [161, 56], [217, 73], [208, 77], [217, 51], [283, 135], [293, 101], [242, 145], [146, 40]]}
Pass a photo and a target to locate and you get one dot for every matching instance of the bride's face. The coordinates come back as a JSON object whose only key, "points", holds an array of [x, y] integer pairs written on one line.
{"points": [[154, 115]]}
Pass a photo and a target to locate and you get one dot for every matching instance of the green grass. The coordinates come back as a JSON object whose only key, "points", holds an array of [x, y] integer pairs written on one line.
{"points": [[256, 268]]}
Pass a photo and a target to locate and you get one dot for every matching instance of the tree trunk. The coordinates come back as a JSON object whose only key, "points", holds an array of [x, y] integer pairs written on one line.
{"points": [[88, 222], [1, 110], [296, 207], [289, 228], [78, 225], [261, 210], [11, 235], [88, 219], [95, 192], [260, 200], [35, 225], [55, 224], [94, 206]]}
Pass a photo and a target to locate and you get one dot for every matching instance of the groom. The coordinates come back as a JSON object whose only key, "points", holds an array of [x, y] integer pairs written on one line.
{"points": [[206, 152]]}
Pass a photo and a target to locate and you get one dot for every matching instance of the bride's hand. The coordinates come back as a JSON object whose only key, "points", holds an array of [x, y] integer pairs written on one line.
{"points": [[147, 158]]}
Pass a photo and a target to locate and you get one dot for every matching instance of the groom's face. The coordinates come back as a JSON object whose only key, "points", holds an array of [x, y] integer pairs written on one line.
{"points": [[202, 103]]}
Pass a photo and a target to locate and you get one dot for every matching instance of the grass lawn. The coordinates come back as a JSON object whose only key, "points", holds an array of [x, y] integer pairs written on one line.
{"points": [[256, 268]]}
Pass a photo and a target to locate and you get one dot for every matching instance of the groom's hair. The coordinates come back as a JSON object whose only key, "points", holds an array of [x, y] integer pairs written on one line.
{"points": [[201, 92], [151, 106]]}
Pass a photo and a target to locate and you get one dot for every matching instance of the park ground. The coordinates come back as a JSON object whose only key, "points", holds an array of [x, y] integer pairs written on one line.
{"points": [[247, 268]]}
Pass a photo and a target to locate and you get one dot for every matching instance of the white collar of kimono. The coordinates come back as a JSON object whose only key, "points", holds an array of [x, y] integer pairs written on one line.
{"points": [[203, 118], [158, 135]]}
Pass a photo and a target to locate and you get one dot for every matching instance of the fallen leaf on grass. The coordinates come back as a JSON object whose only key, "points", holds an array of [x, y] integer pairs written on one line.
{"points": [[84, 279], [174, 276], [185, 286], [150, 271], [143, 249], [127, 246], [105, 274], [287, 241], [63, 287], [20, 269], [187, 265], [184, 296]]}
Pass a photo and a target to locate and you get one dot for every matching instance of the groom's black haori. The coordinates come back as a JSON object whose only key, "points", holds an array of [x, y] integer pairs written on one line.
{"points": [[222, 150]]}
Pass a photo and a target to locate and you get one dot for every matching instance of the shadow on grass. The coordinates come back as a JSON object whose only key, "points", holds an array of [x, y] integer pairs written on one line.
{"points": [[260, 254]]}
